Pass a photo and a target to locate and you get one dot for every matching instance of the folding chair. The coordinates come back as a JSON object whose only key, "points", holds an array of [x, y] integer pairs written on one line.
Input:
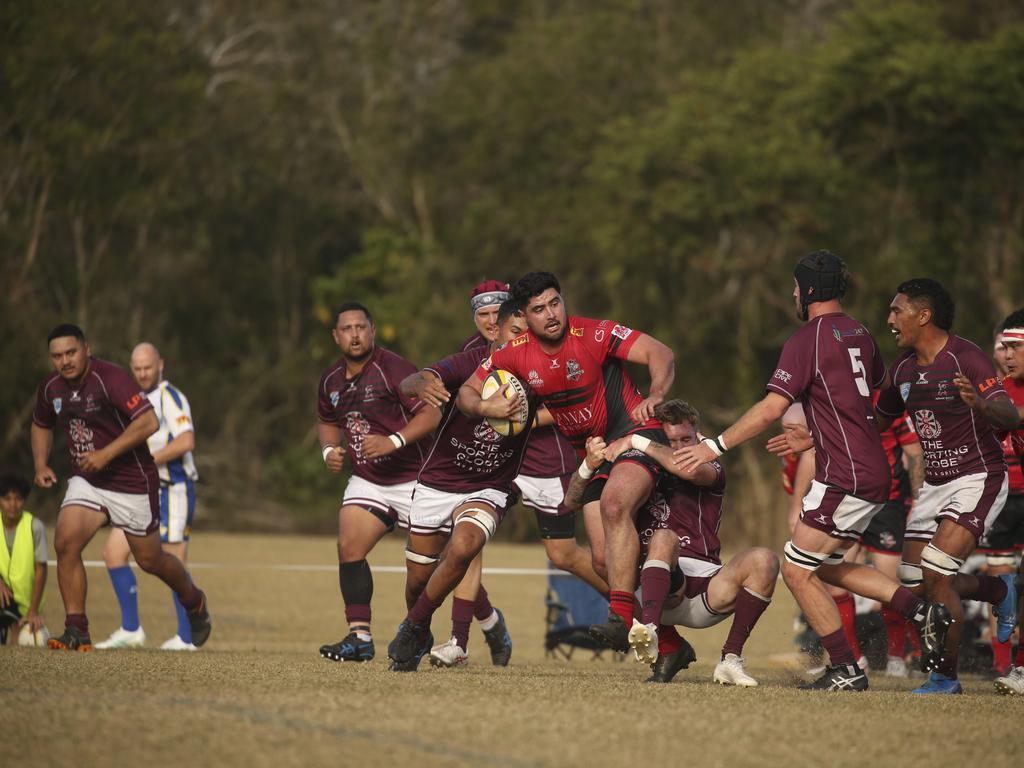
{"points": [[572, 606]]}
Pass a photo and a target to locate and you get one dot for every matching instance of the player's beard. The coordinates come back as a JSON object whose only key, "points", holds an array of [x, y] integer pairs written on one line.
{"points": [[361, 357]]}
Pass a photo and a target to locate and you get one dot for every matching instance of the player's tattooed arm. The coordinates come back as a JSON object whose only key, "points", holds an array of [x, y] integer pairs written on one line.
{"points": [[913, 462], [144, 425], [660, 362], [578, 483], [425, 386], [999, 411]]}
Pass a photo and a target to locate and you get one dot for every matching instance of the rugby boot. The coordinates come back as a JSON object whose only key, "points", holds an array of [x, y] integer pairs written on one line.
{"points": [[843, 677], [940, 684], [412, 642], [730, 671], [448, 654], [1005, 611], [667, 665], [643, 639], [932, 622], [177, 644], [895, 666], [349, 648], [612, 634], [123, 638], [73, 639], [499, 641], [199, 622], [1012, 684]]}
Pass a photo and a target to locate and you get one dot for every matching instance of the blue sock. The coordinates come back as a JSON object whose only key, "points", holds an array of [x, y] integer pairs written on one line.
{"points": [[184, 628], [127, 595]]}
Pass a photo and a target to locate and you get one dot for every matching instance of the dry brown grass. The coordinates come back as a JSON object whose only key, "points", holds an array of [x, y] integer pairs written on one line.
{"points": [[259, 695]]}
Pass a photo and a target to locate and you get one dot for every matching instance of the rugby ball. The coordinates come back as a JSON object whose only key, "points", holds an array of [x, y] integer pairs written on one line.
{"points": [[496, 380], [33, 639]]}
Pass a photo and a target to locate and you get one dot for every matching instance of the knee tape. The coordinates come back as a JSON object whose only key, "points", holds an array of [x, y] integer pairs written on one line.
{"points": [[910, 575], [481, 518], [1004, 559], [934, 559], [416, 557], [810, 561]]}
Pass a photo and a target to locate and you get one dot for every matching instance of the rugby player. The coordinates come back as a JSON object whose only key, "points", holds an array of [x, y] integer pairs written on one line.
{"points": [[114, 478], [462, 494], [576, 366], [171, 447], [1012, 337], [484, 301], [678, 528], [950, 390], [1002, 543], [831, 365], [358, 400]]}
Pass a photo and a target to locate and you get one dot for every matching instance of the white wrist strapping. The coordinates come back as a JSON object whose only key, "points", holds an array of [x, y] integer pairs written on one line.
{"points": [[640, 442], [397, 439], [713, 445], [326, 450], [585, 471]]}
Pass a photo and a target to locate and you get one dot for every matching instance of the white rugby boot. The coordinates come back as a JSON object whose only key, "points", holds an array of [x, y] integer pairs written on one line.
{"points": [[177, 644], [122, 638], [896, 667], [1012, 684], [730, 671], [643, 639], [448, 654]]}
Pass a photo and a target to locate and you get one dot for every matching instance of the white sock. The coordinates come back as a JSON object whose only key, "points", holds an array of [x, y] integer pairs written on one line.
{"points": [[490, 622]]}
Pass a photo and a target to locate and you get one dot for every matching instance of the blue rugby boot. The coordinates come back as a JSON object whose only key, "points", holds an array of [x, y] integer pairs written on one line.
{"points": [[939, 683]]}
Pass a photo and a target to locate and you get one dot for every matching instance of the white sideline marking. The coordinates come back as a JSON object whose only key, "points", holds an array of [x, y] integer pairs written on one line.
{"points": [[330, 568]]}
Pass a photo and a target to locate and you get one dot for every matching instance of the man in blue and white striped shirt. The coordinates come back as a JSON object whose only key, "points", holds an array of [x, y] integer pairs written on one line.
{"points": [[171, 446]]}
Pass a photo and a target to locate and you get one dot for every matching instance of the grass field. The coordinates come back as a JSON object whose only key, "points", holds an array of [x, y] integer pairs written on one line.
{"points": [[259, 694]]}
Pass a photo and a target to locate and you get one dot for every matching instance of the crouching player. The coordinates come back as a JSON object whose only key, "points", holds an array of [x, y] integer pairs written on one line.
{"points": [[683, 581]]}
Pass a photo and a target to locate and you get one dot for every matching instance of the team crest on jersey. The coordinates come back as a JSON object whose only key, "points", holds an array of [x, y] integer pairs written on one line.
{"points": [[905, 390], [335, 396], [368, 394], [659, 509], [484, 433], [621, 331], [927, 425], [57, 403], [355, 424], [573, 370]]}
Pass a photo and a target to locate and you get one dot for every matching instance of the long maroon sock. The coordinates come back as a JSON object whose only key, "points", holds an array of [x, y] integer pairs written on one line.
{"points": [[749, 608], [462, 617], [991, 589], [482, 608], [895, 631], [194, 601], [357, 615], [654, 583], [79, 621], [848, 613], [423, 610], [621, 604], [838, 649], [906, 603], [669, 640]]}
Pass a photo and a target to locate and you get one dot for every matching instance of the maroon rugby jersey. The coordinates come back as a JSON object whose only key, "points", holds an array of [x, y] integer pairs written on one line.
{"points": [[467, 455], [692, 512], [370, 403], [548, 454], [476, 341], [1013, 442], [584, 384], [93, 415], [831, 365], [956, 441]]}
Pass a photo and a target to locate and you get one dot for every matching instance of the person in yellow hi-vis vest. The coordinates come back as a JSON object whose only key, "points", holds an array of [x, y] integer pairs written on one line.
{"points": [[22, 560]]}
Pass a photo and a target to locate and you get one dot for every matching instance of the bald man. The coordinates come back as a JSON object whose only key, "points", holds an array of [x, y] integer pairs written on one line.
{"points": [[171, 446]]}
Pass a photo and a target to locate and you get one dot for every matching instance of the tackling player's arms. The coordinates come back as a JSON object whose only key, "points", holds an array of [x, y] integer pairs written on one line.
{"points": [[426, 386], [471, 402]]}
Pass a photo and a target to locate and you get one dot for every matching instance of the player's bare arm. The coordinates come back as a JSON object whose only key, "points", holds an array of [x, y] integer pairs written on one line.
{"points": [[660, 362], [999, 411], [913, 462], [177, 448], [42, 442], [752, 423], [425, 386], [795, 438], [135, 434], [581, 477], [496, 406], [32, 617], [331, 446], [703, 475], [419, 426], [543, 418]]}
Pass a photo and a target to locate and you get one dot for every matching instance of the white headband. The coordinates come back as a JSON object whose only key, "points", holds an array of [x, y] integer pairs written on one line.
{"points": [[482, 300]]}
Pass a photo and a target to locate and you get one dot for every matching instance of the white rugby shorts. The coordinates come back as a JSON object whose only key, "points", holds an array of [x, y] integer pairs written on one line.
{"points": [[694, 611], [541, 493], [432, 509], [134, 513], [973, 501], [391, 503]]}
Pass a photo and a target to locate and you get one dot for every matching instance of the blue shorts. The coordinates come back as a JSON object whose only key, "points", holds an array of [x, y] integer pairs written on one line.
{"points": [[177, 505]]}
